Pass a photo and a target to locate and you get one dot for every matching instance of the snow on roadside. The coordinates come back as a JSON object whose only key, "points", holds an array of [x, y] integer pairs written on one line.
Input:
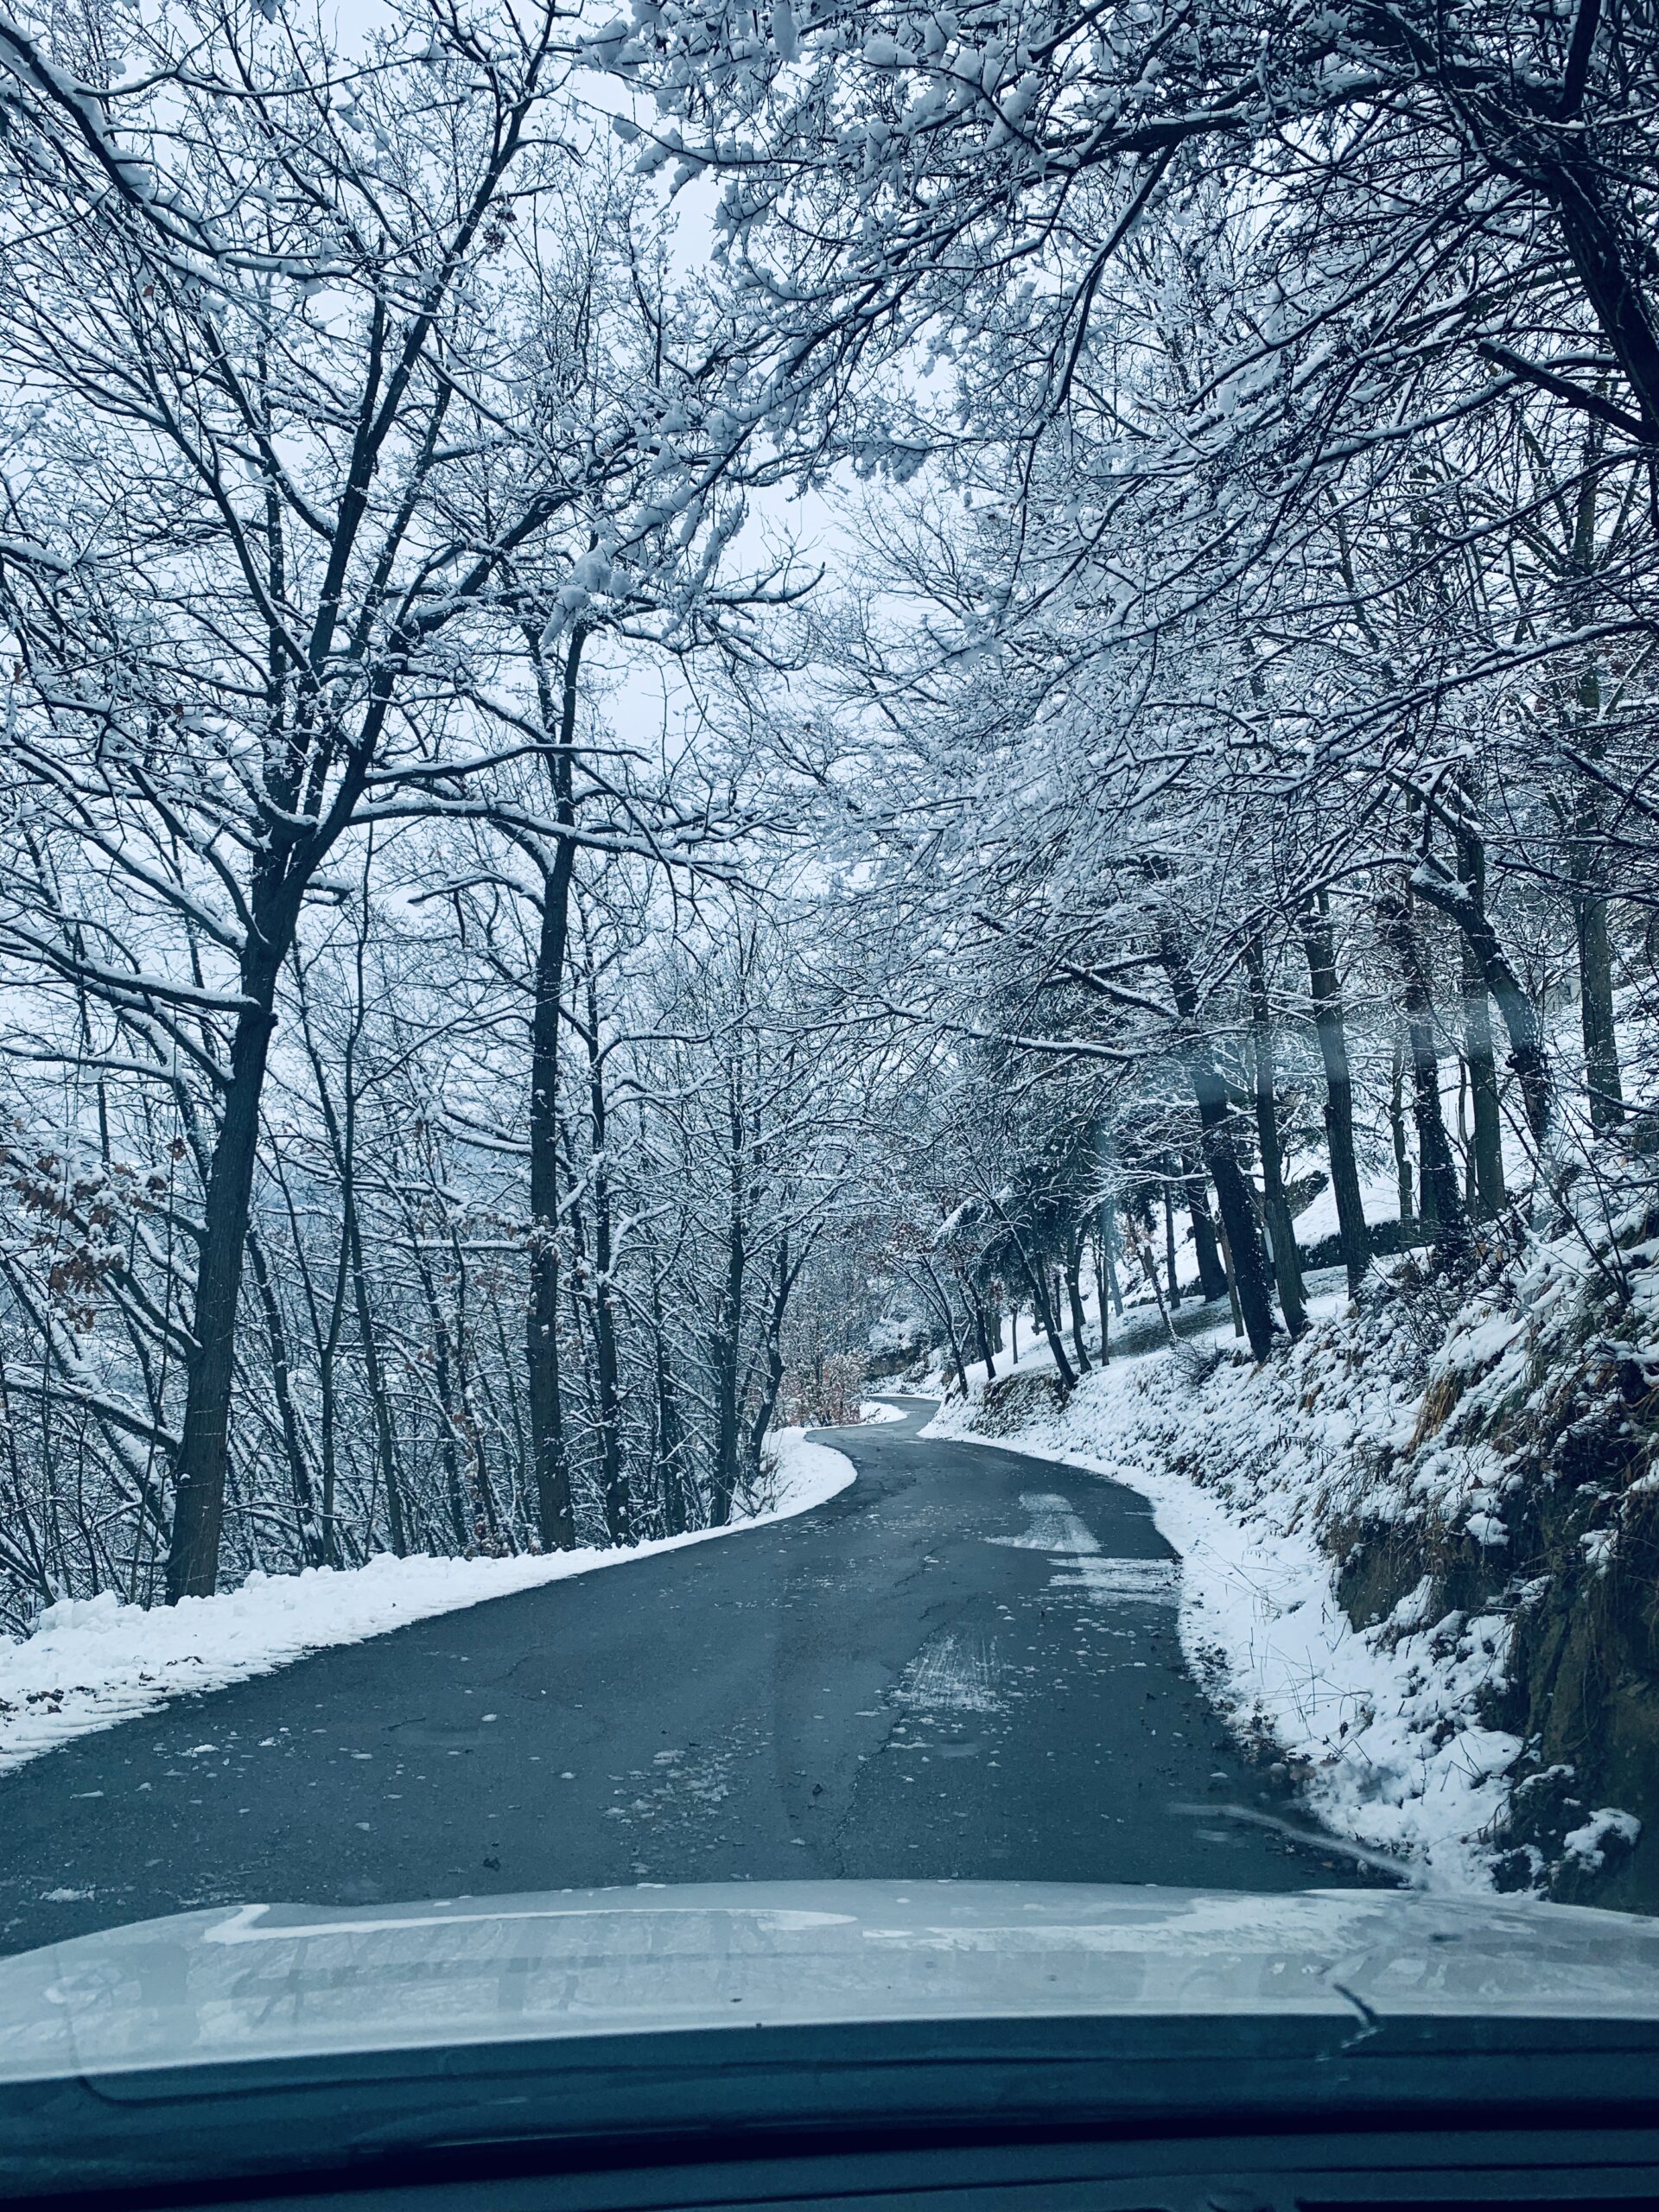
{"points": [[871, 1413], [93, 1662], [1384, 1723]]}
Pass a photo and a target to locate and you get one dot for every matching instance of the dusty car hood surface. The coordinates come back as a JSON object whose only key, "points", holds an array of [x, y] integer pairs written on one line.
{"points": [[287, 1982]]}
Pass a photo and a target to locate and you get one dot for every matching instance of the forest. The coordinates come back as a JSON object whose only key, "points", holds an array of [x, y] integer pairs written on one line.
{"points": [[698, 700]]}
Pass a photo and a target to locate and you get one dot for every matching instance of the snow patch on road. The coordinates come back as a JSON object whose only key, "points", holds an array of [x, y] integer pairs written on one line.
{"points": [[93, 1662], [1053, 1526], [1123, 1582], [1056, 1528], [950, 1675]]}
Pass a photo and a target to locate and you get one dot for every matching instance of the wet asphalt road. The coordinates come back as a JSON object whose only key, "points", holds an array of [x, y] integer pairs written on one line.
{"points": [[967, 1664]]}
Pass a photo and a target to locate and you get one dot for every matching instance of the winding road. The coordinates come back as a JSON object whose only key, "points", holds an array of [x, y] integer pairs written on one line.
{"points": [[965, 1665]]}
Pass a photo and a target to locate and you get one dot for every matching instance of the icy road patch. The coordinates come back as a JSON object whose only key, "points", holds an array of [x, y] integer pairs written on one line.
{"points": [[93, 1662]]}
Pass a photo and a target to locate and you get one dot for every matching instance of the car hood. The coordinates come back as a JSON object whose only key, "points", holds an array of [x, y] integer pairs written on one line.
{"points": [[264, 1982]]}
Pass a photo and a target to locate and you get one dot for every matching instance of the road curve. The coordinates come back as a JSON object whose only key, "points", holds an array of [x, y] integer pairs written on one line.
{"points": [[964, 1665]]}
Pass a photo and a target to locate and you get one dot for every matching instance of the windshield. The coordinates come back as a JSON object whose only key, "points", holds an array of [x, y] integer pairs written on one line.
{"points": [[827, 947]]}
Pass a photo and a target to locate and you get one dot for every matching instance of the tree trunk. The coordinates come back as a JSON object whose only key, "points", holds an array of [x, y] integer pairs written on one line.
{"points": [[1397, 1134], [1170, 1267], [313, 1549], [550, 1458], [1331, 1025], [941, 1301], [1232, 1286], [1462, 899], [1587, 847], [203, 1449], [1441, 1203], [1112, 1283], [1248, 1267], [1074, 1296], [1601, 1068], [342, 1143], [1287, 1264], [470, 1427], [1043, 1309], [606, 1364], [464, 1514], [374, 1378], [777, 1310], [1246, 1261], [1571, 175], [1212, 1276], [673, 1471], [976, 1306], [1142, 1246], [725, 1334], [328, 1405], [1483, 1088]]}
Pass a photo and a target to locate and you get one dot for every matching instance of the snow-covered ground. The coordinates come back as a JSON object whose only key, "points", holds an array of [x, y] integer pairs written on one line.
{"points": [[93, 1662], [871, 1413]]}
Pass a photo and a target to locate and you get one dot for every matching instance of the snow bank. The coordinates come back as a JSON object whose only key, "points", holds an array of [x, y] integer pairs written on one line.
{"points": [[93, 1662], [871, 1413]]}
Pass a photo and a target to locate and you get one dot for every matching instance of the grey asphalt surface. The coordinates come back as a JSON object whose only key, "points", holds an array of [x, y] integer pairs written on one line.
{"points": [[965, 1665]]}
